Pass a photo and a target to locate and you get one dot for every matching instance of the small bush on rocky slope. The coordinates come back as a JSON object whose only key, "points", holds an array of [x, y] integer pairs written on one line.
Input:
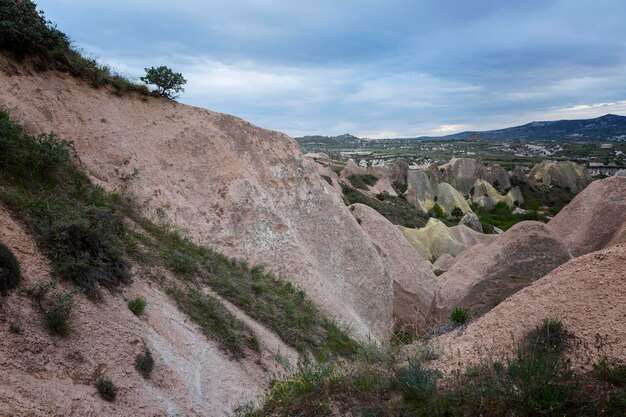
{"points": [[536, 382], [144, 363], [362, 181], [137, 305], [460, 315], [106, 388], [9, 270]]}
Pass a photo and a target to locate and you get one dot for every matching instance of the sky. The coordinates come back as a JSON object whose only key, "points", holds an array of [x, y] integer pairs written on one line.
{"points": [[377, 69]]}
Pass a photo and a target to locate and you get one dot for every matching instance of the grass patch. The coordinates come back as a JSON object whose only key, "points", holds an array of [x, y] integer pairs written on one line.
{"points": [[460, 315], [137, 305], [396, 209], [215, 321]]}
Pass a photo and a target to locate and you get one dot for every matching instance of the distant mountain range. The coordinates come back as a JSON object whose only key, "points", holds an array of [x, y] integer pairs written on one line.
{"points": [[607, 127]]}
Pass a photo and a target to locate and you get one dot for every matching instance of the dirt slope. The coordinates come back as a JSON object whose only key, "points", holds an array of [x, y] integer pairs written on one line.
{"points": [[595, 218], [522, 254], [244, 190], [42, 375], [587, 293]]}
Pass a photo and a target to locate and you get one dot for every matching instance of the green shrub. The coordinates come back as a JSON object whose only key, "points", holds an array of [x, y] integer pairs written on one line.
{"points": [[216, 321], [167, 81], [418, 384], [532, 204], [56, 308], [144, 363], [436, 211], [25, 32], [400, 187], [457, 213], [361, 181], [551, 336], [137, 305], [613, 373], [106, 388], [460, 315], [10, 274]]}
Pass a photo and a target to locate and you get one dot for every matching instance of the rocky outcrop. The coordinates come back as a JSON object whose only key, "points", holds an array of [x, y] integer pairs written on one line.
{"points": [[412, 280], [594, 218], [587, 293], [519, 173], [472, 221], [436, 239], [564, 174], [424, 191], [398, 170], [384, 181], [351, 168], [485, 195], [524, 253], [462, 173]]}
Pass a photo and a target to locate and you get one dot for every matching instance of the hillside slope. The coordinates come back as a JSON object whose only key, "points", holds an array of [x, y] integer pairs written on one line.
{"points": [[241, 189]]}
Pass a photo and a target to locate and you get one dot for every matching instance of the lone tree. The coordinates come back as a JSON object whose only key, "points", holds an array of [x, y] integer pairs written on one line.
{"points": [[167, 81]]}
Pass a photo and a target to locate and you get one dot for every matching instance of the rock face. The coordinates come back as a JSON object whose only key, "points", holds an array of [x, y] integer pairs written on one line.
{"points": [[462, 173], [246, 191], [384, 182], [436, 239], [424, 191], [398, 170], [519, 173], [564, 174], [587, 293], [594, 218], [524, 253], [485, 195], [472, 221], [413, 280], [351, 168]]}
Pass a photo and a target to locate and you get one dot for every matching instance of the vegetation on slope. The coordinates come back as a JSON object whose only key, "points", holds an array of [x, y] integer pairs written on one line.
{"points": [[25, 33], [396, 209], [502, 217], [539, 381], [89, 236]]}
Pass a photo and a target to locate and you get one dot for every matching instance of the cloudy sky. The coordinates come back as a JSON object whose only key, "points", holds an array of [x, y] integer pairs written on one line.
{"points": [[372, 68]]}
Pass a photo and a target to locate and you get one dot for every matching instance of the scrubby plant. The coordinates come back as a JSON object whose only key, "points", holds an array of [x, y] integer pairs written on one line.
{"points": [[460, 315], [106, 388], [436, 211], [15, 328], [417, 383], [167, 81], [58, 314], [614, 373], [551, 336], [10, 274], [137, 305], [456, 213], [144, 363], [361, 181]]}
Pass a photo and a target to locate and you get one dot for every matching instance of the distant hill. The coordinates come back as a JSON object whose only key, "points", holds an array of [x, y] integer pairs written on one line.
{"points": [[607, 127]]}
